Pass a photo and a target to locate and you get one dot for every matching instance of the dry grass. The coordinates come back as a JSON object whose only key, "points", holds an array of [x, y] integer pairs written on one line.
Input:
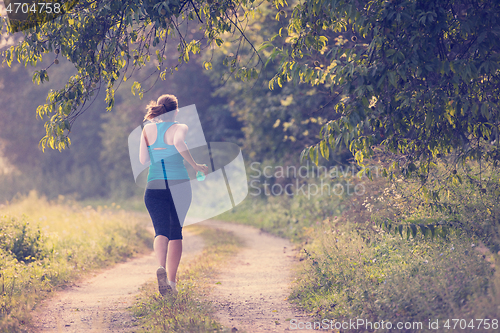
{"points": [[45, 245]]}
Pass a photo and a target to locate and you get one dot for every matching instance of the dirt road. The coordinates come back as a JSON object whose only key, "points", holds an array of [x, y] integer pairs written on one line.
{"points": [[250, 294], [100, 303]]}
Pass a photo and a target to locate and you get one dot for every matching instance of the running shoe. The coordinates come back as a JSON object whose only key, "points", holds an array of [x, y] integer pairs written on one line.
{"points": [[163, 286]]}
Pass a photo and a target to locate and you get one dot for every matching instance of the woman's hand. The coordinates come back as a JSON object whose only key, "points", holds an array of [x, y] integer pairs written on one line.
{"points": [[201, 167]]}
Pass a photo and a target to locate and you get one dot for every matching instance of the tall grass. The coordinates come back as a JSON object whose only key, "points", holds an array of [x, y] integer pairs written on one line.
{"points": [[352, 269], [45, 245], [394, 279], [290, 217]]}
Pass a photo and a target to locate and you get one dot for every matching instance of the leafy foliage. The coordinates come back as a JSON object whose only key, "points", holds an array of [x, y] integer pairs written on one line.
{"points": [[278, 123], [108, 41], [351, 268], [96, 164], [421, 78], [469, 205], [20, 240], [53, 172], [394, 280]]}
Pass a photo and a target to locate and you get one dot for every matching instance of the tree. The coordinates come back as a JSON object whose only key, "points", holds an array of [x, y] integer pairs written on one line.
{"points": [[108, 40], [278, 123], [421, 78], [53, 172]]}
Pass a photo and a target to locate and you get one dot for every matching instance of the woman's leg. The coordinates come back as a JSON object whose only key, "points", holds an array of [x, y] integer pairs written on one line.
{"points": [[181, 199], [173, 258], [160, 246], [155, 203]]}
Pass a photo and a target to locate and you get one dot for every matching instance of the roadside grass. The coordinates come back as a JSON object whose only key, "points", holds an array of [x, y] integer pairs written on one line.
{"points": [[135, 204], [352, 269], [47, 245], [189, 311], [288, 217], [394, 279]]}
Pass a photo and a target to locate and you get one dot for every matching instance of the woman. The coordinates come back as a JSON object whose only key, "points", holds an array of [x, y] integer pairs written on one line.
{"points": [[162, 144]]}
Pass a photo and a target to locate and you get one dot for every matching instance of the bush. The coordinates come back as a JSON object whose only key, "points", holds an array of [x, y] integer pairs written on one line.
{"points": [[354, 268], [466, 199], [57, 243], [289, 217], [18, 238], [392, 279]]}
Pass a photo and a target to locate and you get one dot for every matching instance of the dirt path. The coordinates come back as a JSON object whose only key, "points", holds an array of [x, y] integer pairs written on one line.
{"points": [[100, 303], [251, 294]]}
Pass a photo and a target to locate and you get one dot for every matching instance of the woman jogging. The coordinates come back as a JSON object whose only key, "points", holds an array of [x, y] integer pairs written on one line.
{"points": [[162, 144]]}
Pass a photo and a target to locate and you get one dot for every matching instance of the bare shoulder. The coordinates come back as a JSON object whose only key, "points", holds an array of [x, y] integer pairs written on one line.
{"points": [[183, 128], [150, 131], [180, 133], [149, 127]]}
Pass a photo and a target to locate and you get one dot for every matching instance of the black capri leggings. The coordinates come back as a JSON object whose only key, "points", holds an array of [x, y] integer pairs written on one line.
{"points": [[167, 217]]}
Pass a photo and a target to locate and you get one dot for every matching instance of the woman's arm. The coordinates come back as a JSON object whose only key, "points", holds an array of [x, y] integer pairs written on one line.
{"points": [[143, 148], [179, 137]]}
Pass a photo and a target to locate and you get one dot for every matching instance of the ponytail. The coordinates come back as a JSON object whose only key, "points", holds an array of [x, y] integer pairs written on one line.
{"points": [[164, 104]]}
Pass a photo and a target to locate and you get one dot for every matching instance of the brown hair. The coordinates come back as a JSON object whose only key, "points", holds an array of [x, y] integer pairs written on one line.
{"points": [[164, 104]]}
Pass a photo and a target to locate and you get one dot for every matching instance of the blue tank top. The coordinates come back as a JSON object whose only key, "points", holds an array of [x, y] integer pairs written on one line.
{"points": [[165, 163]]}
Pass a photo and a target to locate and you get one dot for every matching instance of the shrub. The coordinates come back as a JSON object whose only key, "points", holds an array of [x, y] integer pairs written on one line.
{"points": [[18, 238], [392, 279], [54, 244]]}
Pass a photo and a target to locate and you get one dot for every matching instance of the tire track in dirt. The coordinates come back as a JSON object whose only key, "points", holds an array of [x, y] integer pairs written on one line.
{"points": [[99, 304], [251, 293]]}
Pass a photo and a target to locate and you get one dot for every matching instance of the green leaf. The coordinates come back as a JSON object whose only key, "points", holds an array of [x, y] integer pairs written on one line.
{"points": [[304, 153], [392, 79], [484, 111], [432, 229], [346, 138], [423, 229], [325, 152], [264, 46], [390, 52], [359, 156], [413, 230], [311, 153]]}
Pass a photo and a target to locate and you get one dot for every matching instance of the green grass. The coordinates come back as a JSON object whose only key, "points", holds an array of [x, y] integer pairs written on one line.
{"points": [[135, 204], [394, 279], [286, 217], [189, 311], [351, 268], [46, 245]]}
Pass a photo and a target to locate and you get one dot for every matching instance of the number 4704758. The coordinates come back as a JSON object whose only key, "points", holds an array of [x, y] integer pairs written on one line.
{"points": [[37, 7], [463, 324]]}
